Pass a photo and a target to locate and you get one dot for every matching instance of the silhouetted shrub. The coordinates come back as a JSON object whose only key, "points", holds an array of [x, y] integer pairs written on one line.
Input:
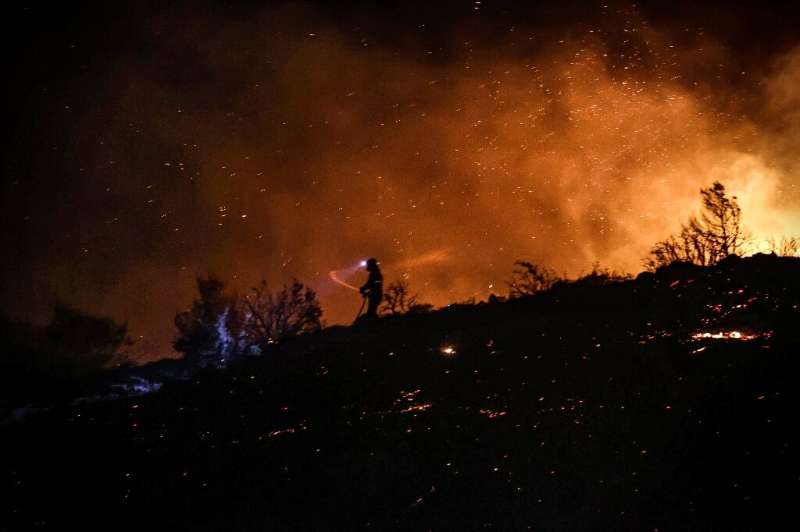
{"points": [[420, 308], [270, 317], [529, 278], [398, 299], [600, 276]]}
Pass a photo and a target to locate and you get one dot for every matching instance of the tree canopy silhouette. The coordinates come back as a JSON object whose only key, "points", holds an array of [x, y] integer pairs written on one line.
{"points": [[707, 239]]}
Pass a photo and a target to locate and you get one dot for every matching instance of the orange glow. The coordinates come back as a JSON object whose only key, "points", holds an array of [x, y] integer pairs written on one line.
{"points": [[447, 167]]}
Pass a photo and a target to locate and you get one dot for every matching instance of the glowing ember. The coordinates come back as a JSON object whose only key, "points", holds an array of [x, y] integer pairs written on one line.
{"points": [[491, 414], [730, 335], [275, 433], [417, 408], [407, 395], [410, 397], [448, 350]]}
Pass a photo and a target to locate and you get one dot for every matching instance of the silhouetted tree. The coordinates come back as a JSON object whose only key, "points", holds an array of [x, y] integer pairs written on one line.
{"points": [[202, 329], [270, 317], [529, 278], [706, 240]]}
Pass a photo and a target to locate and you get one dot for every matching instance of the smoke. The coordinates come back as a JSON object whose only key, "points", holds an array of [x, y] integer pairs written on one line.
{"points": [[285, 144]]}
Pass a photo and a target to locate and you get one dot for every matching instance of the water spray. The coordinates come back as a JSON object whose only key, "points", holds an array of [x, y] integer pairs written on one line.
{"points": [[335, 278], [334, 275]]}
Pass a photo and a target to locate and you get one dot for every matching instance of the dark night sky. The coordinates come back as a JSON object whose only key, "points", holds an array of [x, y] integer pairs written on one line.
{"points": [[151, 142]]}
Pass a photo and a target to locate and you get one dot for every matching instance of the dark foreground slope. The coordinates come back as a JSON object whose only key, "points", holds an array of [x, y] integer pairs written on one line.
{"points": [[590, 407]]}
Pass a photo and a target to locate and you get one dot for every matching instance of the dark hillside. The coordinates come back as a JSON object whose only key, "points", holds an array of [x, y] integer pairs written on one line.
{"points": [[661, 403]]}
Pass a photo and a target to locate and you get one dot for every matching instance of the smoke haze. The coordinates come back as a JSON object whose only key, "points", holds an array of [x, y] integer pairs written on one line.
{"points": [[286, 142]]}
